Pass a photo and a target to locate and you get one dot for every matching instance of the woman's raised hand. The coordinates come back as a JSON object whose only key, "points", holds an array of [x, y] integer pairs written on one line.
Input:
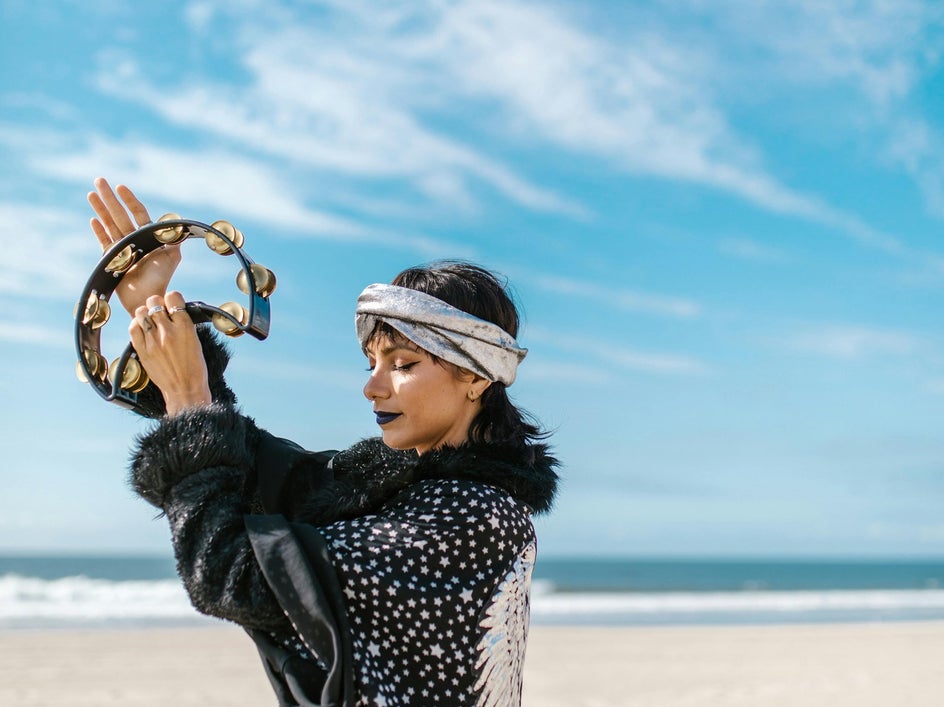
{"points": [[114, 221]]}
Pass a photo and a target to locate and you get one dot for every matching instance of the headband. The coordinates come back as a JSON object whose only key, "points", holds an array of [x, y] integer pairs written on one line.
{"points": [[441, 329]]}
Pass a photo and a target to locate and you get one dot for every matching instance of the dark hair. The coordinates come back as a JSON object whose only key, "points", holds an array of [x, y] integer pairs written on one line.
{"points": [[475, 290]]}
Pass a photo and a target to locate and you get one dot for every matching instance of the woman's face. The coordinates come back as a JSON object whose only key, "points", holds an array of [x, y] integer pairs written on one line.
{"points": [[419, 403]]}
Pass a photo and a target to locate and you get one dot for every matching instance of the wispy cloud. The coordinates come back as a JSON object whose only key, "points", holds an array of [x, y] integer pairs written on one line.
{"points": [[641, 105], [49, 105], [620, 356], [565, 372], [638, 104], [848, 341], [653, 362], [206, 177], [874, 53], [298, 371], [48, 252], [371, 106], [875, 47], [335, 108], [33, 334], [919, 149], [935, 386], [751, 250], [618, 297], [225, 184]]}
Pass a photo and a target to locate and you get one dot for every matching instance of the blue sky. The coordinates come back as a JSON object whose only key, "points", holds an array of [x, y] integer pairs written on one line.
{"points": [[723, 222]]}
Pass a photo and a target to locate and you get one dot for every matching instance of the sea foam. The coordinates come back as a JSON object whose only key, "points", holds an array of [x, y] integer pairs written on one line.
{"points": [[80, 601], [737, 607], [68, 601]]}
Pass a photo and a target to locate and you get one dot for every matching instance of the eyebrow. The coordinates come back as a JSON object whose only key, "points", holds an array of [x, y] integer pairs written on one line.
{"points": [[391, 348]]}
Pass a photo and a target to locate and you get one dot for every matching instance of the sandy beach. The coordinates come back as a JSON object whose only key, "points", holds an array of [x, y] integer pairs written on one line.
{"points": [[882, 664]]}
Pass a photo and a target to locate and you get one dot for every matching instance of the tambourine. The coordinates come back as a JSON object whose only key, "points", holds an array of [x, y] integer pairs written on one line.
{"points": [[121, 380]]}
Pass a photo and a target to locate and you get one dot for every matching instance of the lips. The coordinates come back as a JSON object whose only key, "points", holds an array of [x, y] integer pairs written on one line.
{"points": [[385, 417]]}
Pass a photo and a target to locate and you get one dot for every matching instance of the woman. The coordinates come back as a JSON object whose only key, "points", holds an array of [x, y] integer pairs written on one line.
{"points": [[395, 572]]}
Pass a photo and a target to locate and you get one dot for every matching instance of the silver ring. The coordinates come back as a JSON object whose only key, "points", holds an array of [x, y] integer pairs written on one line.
{"points": [[173, 310], [154, 310]]}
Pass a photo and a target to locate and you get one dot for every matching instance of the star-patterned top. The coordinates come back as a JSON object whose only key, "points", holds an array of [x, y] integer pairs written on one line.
{"points": [[419, 577], [410, 574]]}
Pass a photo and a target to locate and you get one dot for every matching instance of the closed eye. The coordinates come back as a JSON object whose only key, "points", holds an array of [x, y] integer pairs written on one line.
{"points": [[403, 367]]}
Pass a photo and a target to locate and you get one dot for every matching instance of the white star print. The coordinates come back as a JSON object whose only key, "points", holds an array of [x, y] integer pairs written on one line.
{"points": [[416, 591]]}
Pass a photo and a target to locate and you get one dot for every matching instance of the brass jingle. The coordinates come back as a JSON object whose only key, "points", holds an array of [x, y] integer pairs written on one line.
{"points": [[141, 378], [171, 234], [217, 244], [96, 364], [102, 315], [121, 262], [224, 325], [97, 311], [91, 308], [263, 277], [134, 378], [102, 366]]}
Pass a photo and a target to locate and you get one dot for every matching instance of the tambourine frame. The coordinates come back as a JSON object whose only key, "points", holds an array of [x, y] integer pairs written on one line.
{"points": [[102, 284]]}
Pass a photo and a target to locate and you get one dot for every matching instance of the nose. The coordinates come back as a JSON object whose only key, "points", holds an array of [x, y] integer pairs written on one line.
{"points": [[375, 387]]}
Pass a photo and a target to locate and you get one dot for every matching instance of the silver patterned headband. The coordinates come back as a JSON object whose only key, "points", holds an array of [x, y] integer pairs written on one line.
{"points": [[441, 329]]}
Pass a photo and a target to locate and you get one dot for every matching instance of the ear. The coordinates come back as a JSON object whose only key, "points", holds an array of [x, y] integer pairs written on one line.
{"points": [[477, 387]]}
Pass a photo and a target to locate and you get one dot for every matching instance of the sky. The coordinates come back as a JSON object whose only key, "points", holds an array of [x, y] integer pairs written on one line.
{"points": [[723, 222]]}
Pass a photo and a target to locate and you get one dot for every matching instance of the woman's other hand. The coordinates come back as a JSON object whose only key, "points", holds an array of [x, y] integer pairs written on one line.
{"points": [[114, 221], [168, 348]]}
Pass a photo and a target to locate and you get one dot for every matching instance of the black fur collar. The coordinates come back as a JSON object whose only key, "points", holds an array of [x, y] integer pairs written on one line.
{"points": [[370, 473]]}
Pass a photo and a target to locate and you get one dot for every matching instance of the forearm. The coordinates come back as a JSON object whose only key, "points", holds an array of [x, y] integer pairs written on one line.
{"points": [[176, 403]]}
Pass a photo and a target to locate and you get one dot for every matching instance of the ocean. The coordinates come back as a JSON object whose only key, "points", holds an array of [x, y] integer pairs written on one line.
{"points": [[87, 592]]}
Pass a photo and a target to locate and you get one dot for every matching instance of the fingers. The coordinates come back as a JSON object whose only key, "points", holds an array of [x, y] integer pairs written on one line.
{"points": [[136, 330], [140, 329], [115, 208], [176, 307], [157, 315], [113, 222], [104, 240], [157, 312], [104, 226], [167, 310], [136, 208], [149, 322], [99, 201]]}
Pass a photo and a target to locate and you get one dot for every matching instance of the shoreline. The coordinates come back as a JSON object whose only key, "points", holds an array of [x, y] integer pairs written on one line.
{"points": [[785, 665]]}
